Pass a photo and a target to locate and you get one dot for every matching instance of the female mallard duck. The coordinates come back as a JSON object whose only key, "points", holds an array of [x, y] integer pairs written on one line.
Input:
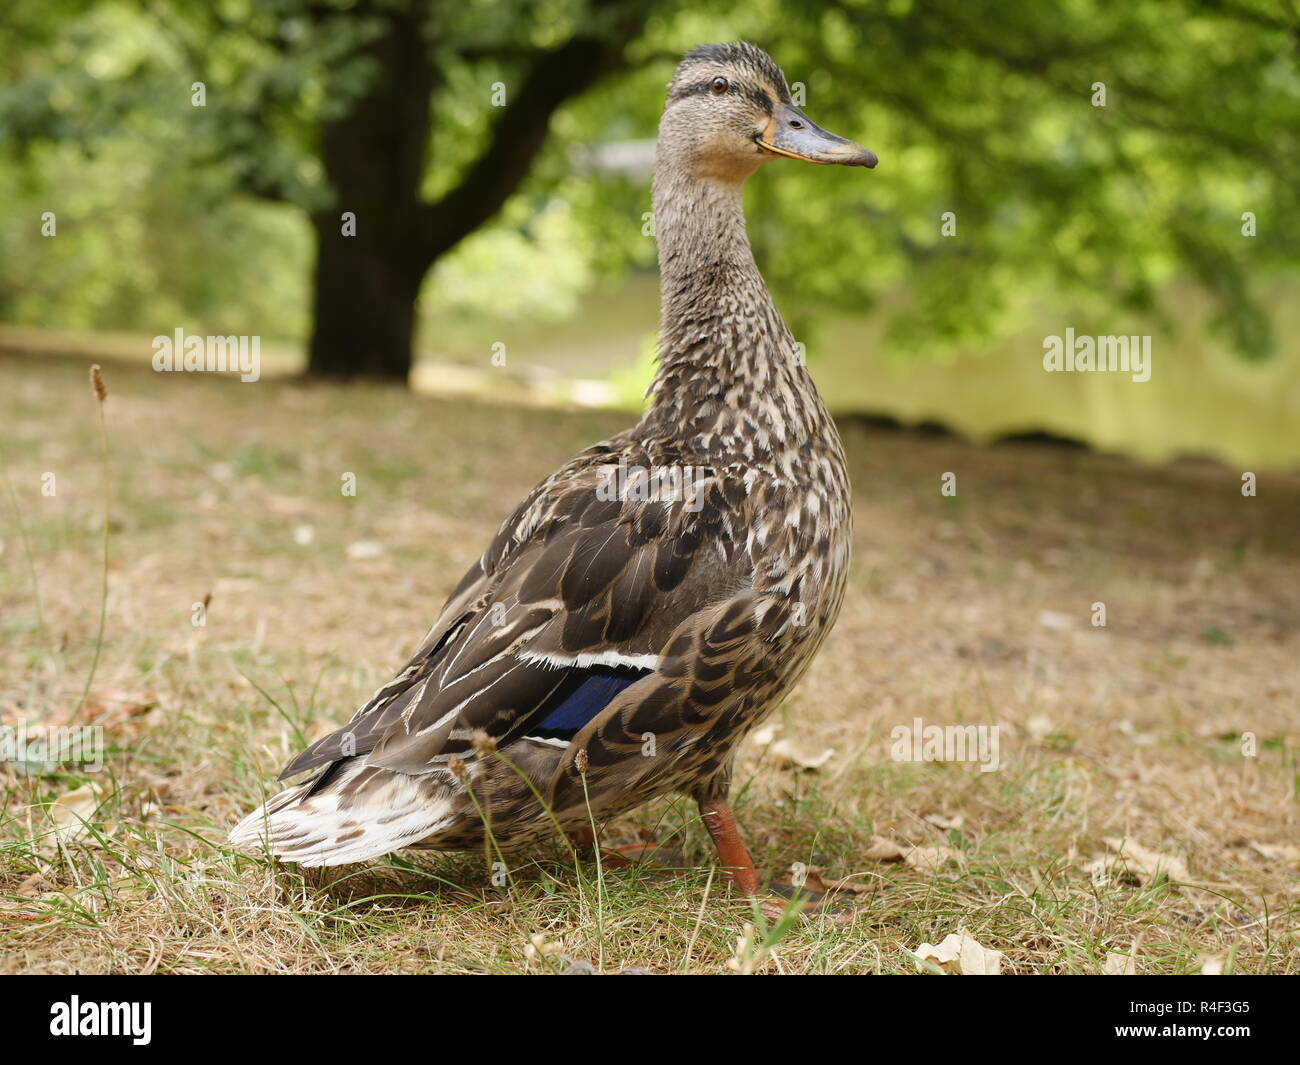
{"points": [[658, 595]]}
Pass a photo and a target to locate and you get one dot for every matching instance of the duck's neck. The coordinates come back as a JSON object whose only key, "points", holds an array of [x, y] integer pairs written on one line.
{"points": [[727, 361]]}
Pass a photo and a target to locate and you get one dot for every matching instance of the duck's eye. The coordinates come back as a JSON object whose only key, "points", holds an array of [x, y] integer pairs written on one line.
{"points": [[720, 85]]}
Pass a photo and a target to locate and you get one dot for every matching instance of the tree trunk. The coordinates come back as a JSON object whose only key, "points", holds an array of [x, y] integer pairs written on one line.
{"points": [[363, 308], [374, 159]]}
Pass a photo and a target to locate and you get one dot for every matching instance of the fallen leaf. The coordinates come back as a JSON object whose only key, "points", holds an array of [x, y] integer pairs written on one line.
{"points": [[1117, 964], [884, 850], [538, 946], [1139, 863], [960, 955], [826, 899], [784, 756], [933, 857], [34, 885], [118, 709], [858, 887], [365, 549], [115, 706], [815, 880], [1127, 728], [1040, 726], [1285, 853], [70, 812]]}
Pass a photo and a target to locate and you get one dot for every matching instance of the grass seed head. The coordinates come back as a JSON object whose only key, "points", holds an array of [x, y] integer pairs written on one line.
{"points": [[97, 383]]}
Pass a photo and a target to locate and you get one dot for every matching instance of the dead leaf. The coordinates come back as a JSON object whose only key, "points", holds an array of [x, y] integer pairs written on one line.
{"points": [[116, 706], [1117, 964], [933, 858], [106, 707], [783, 753], [835, 902], [815, 880], [784, 756], [70, 812], [1128, 729], [884, 850], [1283, 853], [858, 887], [1040, 726], [360, 550], [1139, 863], [960, 955], [34, 885]]}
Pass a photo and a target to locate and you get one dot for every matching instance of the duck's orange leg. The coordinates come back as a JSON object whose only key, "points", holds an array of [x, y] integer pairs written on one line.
{"points": [[737, 866]]}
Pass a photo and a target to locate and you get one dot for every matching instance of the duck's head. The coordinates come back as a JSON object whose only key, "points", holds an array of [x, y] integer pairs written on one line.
{"points": [[729, 110]]}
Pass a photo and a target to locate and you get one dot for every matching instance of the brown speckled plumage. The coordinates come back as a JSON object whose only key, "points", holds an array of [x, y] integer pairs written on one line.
{"points": [[699, 609]]}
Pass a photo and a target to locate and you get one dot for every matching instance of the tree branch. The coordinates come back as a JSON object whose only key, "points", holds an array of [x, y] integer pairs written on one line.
{"points": [[553, 77]]}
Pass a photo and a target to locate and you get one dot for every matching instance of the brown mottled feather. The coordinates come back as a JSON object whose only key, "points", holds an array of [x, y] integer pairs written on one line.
{"points": [[720, 605]]}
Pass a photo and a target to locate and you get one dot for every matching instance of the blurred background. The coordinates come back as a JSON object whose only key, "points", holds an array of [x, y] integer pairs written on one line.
{"points": [[1112, 168]]}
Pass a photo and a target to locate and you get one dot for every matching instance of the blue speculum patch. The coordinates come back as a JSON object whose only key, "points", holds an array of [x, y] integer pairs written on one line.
{"points": [[584, 695]]}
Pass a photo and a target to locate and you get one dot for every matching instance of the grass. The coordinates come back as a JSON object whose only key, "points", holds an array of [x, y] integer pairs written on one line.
{"points": [[972, 609]]}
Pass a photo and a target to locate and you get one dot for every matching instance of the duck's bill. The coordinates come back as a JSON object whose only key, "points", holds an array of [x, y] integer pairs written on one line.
{"points": [[794, 135]]}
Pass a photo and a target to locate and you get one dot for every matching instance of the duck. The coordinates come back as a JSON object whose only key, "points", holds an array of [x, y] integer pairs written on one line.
{"points": [[656, 597]]}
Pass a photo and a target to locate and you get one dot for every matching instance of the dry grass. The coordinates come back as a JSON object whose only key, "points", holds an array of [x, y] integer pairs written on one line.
{"points": [[973, 610]]}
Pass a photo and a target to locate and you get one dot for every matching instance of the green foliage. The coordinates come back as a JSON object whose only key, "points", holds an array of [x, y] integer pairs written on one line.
{"points": [[986, 110], [102, 137], [977, 108]]}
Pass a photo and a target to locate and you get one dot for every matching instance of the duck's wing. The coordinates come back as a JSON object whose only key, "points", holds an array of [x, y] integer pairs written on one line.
{"points": [[575, 600]]}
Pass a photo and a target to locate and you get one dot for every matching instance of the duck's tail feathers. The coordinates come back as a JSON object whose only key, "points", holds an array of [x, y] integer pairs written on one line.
{"points": [[360, 812]]}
